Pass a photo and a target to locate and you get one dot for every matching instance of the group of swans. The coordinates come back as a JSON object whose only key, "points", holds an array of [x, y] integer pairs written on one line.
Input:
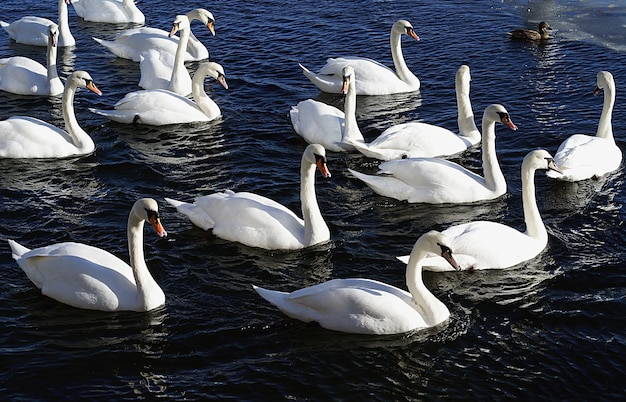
{"points": [[27, 137], [23, 76], [91, 278]]}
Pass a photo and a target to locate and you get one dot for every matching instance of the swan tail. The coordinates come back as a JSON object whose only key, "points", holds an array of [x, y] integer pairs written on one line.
{"points": [[100, 41], [17, 250], [274, 297], [365, 149], [403, 258], [195, 214]]}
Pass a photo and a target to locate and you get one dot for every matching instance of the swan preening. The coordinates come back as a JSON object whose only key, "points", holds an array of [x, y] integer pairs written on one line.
{"points": [[34, 30], [530, 34], [158, 107], [91, 278], [319, 123], [134, 43], [493, 245], [374, 78], [584, 156], [257, 221], [110, 11], [439, 181], [417, 139], [23, 76], [27, 137], [366, 306]]}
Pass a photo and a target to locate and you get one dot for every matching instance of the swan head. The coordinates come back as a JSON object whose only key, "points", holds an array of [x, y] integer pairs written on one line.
{"points": [[539, 159], [437, 243], [404, 27], [497, 112], [206, 17], [53, 34], [181, 22], [82, 79], [147, 209], [348, 77], [463, 78], [315, 154], [604, 79], [215, 70]]}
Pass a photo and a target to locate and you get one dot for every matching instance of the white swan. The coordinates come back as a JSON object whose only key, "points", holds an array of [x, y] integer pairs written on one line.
{"points": [[27, 137], [34, 30], [492, 245], [319, 123], [133, 43], [439, 181], [164, 70], [111, 11], [159, 107], [417, 139], [374, 78], [366, 306], [583, 156], [91, 278], [24, 76], [257, 221]]}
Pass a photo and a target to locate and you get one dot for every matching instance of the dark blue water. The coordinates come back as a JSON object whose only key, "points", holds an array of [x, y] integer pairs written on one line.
{"points": [[552, 329]]}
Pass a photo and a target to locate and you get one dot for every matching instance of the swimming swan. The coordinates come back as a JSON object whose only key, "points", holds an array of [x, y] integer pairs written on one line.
{"points": [[133, 43], [366, 306], [492, 245], [439, 181], [257, 221], [34, 30], [158, 107], [91, 278], [583, 156], [417, 139], [319, 123], [23, 76], [110, 11], [374, 78], [27, 137]]}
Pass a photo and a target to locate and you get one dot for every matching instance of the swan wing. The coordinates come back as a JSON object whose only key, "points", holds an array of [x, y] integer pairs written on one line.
{"points": [[27, 137], [583, 156], [23, 76], [319, 123]]}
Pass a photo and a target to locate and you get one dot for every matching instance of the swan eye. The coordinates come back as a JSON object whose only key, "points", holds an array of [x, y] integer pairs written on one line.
{"points": [[152, 215], [319, 157], [446, 252]]}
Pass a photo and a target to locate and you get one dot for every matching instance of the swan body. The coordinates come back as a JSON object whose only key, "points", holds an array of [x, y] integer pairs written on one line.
{"points": [[366, 306], [257, 221], [417, 139], [27, 137], [319, 123], [438, 181], [110, 11], [158, 107], [374, 78], [24, 76], [91, 278], [133, 43], [530, 34], [581, 156], [492, 245], [34, 30], [164, 70]]}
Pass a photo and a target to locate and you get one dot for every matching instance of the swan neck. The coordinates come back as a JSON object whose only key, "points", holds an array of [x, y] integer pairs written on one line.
{"points": [[605, 128], [465, 118], [402, 71], [432, 309], [315, 229], [179, 58], [64, 23], [143, 278], [351, 127], [80, 138], [201, 98], [51, 58], [494, 179], [534, 225]]}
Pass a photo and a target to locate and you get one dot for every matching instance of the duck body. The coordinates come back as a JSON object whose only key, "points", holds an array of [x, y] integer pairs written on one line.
{"points": [[109, 11], [418, 139], [91, 278], [32, 30], [366, 306], [374, 77], [530, 34], [582, 156]]}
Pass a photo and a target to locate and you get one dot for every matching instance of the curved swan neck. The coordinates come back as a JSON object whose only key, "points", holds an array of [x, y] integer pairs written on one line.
{"points": [[402, 70], [465, 118], [534, 225], [143, 278], [81, 139], [315, 228], [351, 127], [200, 97], [494, 178], [432, 309], [605, 128], [64, 24]]}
